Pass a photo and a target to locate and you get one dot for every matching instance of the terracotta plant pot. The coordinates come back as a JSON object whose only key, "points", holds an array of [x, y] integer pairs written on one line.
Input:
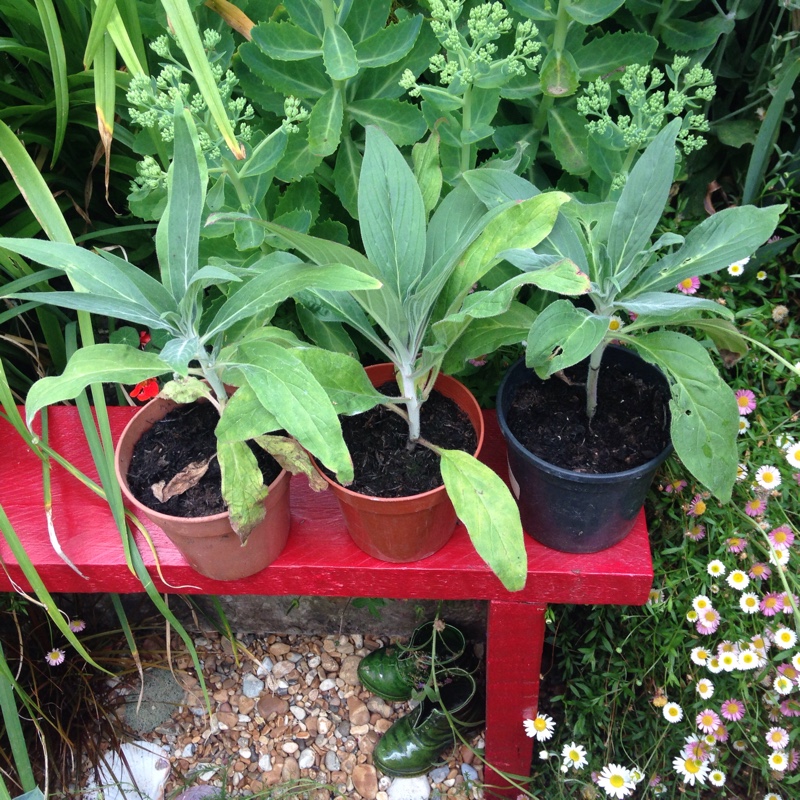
{"points": [[403, 529], [570, 511], [209, 543]]}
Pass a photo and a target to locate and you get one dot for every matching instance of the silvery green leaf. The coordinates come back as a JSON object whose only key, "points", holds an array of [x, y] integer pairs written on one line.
{"points": [[643, 199], [99, 363], [338, 53], [563, 335], [666, 240], [718, 241], [428, 172], [179, 352], [527, 260], [705, 418], [212, 274], [488, 510], [345, 175], [661, 305], [391, 215], [400, 121], [178, 232]]}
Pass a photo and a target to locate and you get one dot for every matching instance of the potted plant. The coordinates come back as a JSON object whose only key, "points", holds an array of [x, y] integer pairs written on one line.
{"points": [[423, 309], [574, 509], [221, 350]]}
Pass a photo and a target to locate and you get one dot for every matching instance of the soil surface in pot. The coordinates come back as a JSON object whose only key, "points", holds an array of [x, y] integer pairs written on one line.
{"points": [[185, 436], [378, 438], [630, 426]]}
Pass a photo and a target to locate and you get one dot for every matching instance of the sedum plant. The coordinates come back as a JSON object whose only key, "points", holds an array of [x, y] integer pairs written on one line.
{"points": [[426, 304], [635, 276], [216, 320]]}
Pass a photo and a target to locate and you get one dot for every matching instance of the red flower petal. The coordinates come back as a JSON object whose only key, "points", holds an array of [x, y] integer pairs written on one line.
{"points": [[145, 390]]}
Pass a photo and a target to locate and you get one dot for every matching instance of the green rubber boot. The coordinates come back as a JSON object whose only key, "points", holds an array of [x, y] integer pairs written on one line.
{"points": [[413, 744], [393, 673]]}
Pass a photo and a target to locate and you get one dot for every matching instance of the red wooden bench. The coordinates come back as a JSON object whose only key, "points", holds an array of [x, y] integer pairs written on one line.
{"points": [[320, 559]]}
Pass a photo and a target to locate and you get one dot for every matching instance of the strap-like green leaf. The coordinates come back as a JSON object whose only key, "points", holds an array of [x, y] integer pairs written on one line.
{"points": [[563, 335], [658, 305], [58, 66], [112, 363], [488, 510], [705, 418], [178, 233], [242, 487], [338, 53]]}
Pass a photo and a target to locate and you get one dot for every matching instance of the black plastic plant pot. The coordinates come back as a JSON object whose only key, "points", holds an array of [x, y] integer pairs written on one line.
{"points": [[570, 511]]}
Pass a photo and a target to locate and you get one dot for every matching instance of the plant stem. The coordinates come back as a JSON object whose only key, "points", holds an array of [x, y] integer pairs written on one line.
{"points": [[592, 379], [409, 390], [466, 124]]}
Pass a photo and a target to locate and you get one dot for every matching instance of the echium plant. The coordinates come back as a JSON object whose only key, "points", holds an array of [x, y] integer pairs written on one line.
{"points": [[634, 276], [649, 108], [216, 319], [426, 304], [472, 71]]}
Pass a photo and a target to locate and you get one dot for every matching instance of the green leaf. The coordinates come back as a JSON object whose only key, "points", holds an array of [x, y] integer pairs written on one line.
{"points": [[569, 139], [727, 236], [401, 122], [282, 281], [391, 215], [563, 335], [603, 55], [559, 74], [427, 171], [328, 335], [686, 35], [338, 53], [178, 233], [366, 17], [594, 12], [242, 487], [727, 339], [642, 201], [185, 390], [285, 41], [304, 79], [244, 417], [389, 44], [286, 388], [325, 123], [100, 363], [343, 378], [488, 510], [307, 14], [58, 66], [266, 155], [705, 417], [298, 161], [345, 175]]}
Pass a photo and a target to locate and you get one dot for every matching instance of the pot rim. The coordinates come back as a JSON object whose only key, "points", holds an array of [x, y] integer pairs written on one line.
{"points": [[152, 514], [480, 432], [568, 474]]}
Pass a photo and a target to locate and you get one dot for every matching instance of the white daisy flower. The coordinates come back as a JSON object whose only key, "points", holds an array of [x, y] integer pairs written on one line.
{"points": [[737, 268], [778, 556], [704, 688], [541, 727], [616, 781], [690, 769], [615, 323], [782, 685], [793, 454], [744, 425], [729, 661], [741, 472], [768, 477], [672, 712], [574, 756], [749, 603], [778, 760], [715, 568], [701, 603], [716, 778], [738, 580], [785, 638], [699, 656]]}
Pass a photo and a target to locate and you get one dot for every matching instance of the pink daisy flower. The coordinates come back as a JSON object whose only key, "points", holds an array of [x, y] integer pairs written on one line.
{"points": [[707, 621], [736, 544], [708, 720], [786, 602], [760, 571], [746, 401], [788, 671], [770, 604], [782, 536], [794, 760], [55, 657], [675, 487], [732, 710], [790, 707], [755, 507], [721, 734], [777, 738], [697, 507], [696, 533], [695, 748], [689, 285]]}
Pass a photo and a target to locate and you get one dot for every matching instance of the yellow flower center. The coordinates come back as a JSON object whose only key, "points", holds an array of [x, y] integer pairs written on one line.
{"points": [[574, 755], [768, 477], [692, 765], [539, 724], [743, 401], [686, 283], [699, 507], [617, 781]]}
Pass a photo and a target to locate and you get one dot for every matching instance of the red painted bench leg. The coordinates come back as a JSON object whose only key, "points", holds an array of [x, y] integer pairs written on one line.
{"points": [[514, 641]]}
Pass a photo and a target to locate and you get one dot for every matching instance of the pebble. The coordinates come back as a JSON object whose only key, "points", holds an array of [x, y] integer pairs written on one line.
{"points": [[307, 759], [265, 762], [290, 747], [439, 774], [348, 671], [252, 686], [265, 666], [469, 772], [328, 685], [365, 781], [410, 788], [297, 712], [189, 750], [332, 763]]}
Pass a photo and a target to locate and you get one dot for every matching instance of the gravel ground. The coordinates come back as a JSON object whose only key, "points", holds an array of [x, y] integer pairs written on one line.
{"points": [[293, 709]]}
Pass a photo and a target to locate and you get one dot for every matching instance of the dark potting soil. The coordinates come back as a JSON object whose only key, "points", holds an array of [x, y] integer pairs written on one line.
{"points": [[182, 437], [630, 426], [378, 438]]}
